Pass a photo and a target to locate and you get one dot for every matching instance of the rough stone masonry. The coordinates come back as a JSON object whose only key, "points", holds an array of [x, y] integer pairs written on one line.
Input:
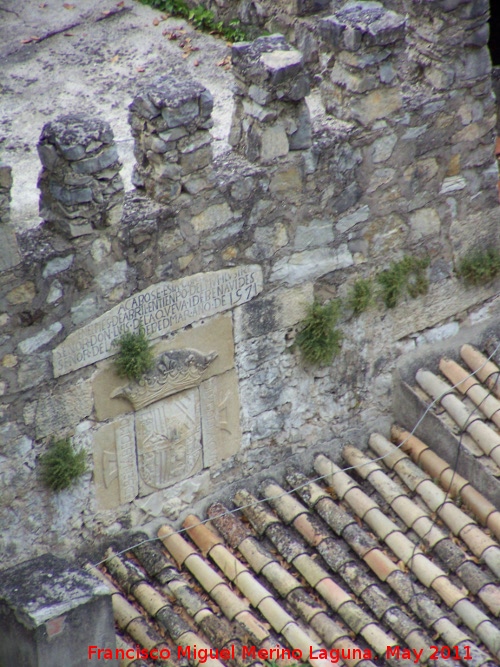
{"points": [[400, 163]]}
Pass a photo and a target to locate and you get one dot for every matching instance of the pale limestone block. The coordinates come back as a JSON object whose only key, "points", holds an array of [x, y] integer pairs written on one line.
{"points": [[274, 143], [311, 264], [383, 147], [168, 436], [115, 466], [161, 308], [55, 292], [60, 413], [9, 251], [57, 265], [220, 415], [376, 104], [214, 336], [212, 218], [347, 221], [318, 233], [40, 339], [424, 222]]}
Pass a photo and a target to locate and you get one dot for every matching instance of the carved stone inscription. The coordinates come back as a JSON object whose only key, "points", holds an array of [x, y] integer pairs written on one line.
{"points": [[174, 371], [161, 308], [169, 445], [115, 466]]}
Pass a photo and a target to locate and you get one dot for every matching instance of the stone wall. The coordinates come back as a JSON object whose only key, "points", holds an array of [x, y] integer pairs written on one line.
{"points": [[218, 259]]}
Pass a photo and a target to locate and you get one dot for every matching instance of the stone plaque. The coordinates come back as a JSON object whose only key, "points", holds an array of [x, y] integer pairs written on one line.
{"points": [[220, 416], [115, 463], [161, 308], [168, 441], [173, 372], [216, 335]]}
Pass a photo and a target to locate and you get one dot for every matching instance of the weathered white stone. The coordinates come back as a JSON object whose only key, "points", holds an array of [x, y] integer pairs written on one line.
{"points": [[100, 249], [57, 265], [347, 221], [212, 218], [452, 184], [268, 240], [9, 252], [274, 143], [318, 233], [380, 177], [115, 275], [424, 222], [55, 292], [162, 308], [83, 310], [61, 412], [383, 147], [311, 264], [438, 333], [41, 338]]}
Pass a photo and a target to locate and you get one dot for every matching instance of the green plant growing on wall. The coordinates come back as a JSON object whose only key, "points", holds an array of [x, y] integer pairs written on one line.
{"points": [[61, 465], [361, 296], [318, 340], [479, 267], [201, 17], [135, 356], [406, 276]]}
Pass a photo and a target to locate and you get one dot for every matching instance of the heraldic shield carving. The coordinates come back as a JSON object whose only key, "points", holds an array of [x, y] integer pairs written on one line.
{"points": [[169, 444]]}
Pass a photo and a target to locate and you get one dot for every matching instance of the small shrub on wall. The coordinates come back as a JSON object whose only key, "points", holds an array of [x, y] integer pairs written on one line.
{"points": [[135, 356], [318, 340], [61, 465]]}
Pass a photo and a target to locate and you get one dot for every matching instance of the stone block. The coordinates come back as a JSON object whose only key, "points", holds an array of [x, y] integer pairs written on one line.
{"points": [[362, 22], [181, 101], [220, 416], [116, 478], [33, 343], [5, 176], [318, 233], [375, 105], [424, 222], [270, 64], [51, 612], [212, 217], [274, 143], [60, 412], [24, 293], [311, 264]]}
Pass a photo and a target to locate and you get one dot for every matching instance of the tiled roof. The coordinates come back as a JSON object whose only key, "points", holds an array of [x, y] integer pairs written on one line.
{"points": [[396, 550]]}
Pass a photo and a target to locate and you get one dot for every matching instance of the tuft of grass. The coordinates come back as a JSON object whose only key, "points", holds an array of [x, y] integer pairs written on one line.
{"points": [[135, 356], [406, 276], [201, 17], [360, 296], [318, 340], [61, 465], [479, 267]]}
